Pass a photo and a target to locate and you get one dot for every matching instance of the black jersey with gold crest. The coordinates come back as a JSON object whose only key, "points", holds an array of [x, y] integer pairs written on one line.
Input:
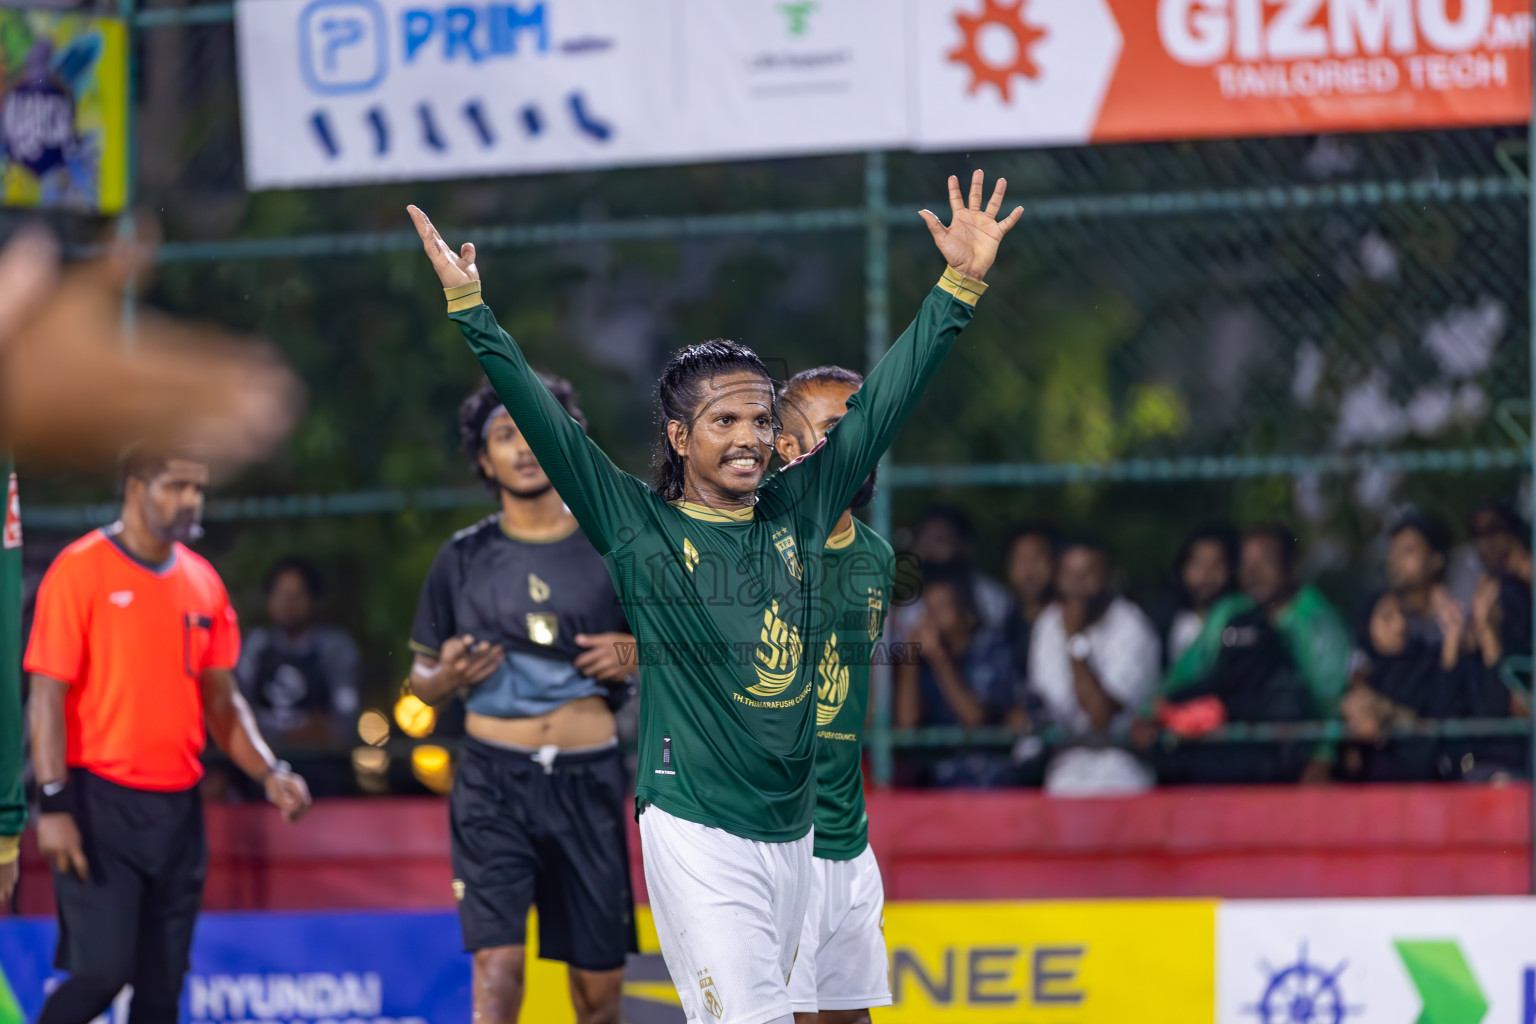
{"points": [[723, 604], [859, 567], [530, 597]]}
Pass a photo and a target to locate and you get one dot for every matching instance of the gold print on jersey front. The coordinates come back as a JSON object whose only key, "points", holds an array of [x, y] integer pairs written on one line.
{"points": [[543, 627], [833, 688], [537, 589], [777, 655], [711, 995], [876, 611], [690, 555]]}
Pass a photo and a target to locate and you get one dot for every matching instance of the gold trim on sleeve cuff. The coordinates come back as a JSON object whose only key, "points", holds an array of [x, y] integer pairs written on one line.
{"points": [[10, 848], [966, 289], [463, 296]]}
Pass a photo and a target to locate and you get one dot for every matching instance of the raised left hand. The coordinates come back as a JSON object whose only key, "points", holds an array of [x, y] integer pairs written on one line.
{"points": [[288, 793], [970, 242], [609, 657]]}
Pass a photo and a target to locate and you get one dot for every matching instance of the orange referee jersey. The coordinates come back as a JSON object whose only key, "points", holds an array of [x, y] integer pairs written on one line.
{"points": [[132, 644]]}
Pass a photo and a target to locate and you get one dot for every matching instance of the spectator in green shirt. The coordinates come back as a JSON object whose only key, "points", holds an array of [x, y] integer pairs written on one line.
{"points": [[1313, 633]]}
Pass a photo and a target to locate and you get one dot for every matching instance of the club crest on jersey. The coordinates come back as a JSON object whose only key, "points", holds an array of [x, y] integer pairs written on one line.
{"points": [[785, 545], [777, 655], [832, 690], [543, 627], [690, 555], [711, 995], [876, 612], [537, 589]]}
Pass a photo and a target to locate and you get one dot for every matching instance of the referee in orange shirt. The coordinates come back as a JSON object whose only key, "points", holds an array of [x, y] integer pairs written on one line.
{"points": [[132, 651]]}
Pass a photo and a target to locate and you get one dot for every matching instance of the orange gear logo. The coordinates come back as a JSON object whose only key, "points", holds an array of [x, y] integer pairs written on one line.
{"points": [[1010, 18]]}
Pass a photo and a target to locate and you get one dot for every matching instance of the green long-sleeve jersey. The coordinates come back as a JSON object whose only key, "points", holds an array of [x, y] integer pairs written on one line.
{"points": [[723, 604], [13, 804], [860, 567]]}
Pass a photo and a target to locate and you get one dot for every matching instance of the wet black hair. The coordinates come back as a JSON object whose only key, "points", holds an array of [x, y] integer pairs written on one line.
{"points": [[309, 575], [1285, 542], [477, 408], [680, 393], [1434, 531]]}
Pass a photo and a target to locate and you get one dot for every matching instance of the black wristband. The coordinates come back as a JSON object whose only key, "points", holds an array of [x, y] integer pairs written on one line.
{"points": [[60, 801]]}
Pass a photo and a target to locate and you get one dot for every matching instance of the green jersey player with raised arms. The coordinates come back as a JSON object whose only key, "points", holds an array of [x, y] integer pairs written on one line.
{"points": [[708, 564]]}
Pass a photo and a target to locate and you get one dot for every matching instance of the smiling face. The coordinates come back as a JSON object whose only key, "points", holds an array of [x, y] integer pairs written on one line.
{"points": [[508, 461], [725, 447]]}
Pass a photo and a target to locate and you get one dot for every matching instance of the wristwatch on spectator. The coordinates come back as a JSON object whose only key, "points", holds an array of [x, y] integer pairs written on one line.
{"points": [[1079, 647]]}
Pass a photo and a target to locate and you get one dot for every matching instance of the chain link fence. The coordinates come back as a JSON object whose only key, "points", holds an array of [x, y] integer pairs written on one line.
{"points": [[1319, 330]]}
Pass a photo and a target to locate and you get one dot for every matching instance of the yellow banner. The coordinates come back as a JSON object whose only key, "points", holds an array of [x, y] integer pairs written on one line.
{"points": [[1051, 963], [63, 111], [993, 963]]}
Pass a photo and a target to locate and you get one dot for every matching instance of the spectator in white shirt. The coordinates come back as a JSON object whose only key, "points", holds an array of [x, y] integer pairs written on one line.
{"points": [[1205, 572], [1093, 660]]}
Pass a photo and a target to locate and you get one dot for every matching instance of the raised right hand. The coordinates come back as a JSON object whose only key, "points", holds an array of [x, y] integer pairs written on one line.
{"points": [[58, 837], [453, 268]]}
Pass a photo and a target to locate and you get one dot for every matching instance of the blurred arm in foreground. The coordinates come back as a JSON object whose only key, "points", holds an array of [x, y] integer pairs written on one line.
{"points": [[75, 389]]}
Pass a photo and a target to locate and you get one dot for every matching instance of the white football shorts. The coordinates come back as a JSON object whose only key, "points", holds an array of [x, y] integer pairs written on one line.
{"points": [[728, 912], [842, 964]]}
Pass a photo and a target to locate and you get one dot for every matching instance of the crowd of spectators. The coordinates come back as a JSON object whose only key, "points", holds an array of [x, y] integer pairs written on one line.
{"points": [[1249, 674], [1052, 676]]}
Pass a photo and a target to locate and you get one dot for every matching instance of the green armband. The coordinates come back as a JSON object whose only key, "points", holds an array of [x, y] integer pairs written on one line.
{"points": [[463, 296]]}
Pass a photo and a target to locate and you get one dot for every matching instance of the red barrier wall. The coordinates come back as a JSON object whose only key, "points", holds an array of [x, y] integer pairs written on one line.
{"points": [[1274, 842]]}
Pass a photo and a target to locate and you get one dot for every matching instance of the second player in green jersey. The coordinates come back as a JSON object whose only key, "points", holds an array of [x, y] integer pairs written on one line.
{"points": [[842, 970]]}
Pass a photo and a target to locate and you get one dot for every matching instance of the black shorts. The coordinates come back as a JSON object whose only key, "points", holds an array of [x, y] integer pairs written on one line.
{"points": [[148, 857], [556, 839]]}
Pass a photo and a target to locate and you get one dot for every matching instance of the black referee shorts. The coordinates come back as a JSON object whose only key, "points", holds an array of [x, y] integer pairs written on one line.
{"points": [[553, 838], [131, 923]]}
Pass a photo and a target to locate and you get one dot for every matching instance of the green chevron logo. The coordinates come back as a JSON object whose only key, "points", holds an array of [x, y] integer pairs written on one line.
{"points": [[1444, 980], [10, 1010]]}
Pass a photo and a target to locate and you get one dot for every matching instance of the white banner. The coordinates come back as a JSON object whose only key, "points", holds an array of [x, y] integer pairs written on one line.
{"points": [[346, 91], [1462, 961]]}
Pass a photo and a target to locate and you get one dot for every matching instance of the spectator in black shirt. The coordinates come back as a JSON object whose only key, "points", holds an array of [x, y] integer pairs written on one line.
{"points": [[1416, 661], [299, 674], [965, 677], [1502, 604]]}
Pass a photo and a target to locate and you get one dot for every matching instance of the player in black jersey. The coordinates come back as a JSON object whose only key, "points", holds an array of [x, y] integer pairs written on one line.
{"points": [[518, 615]]}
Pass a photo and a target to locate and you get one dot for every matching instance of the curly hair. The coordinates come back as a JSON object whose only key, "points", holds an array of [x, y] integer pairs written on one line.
{"points": [[680, 393], [475, 410]]}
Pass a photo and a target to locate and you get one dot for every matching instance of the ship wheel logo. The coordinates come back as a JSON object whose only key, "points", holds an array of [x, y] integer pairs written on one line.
{"points": [[1302, 993], [997, 14]]}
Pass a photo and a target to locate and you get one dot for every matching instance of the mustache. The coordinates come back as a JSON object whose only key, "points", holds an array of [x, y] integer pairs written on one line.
{"points": [[742, 453]]}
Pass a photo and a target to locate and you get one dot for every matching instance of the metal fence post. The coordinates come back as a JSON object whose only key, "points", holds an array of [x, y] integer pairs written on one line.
{"points": [[877, 334]]}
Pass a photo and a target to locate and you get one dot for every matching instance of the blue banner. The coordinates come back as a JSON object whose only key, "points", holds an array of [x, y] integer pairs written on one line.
{"points": [[373, 968]]}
